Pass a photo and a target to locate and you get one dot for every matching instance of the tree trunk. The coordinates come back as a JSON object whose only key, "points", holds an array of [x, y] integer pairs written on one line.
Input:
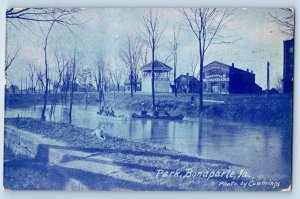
{"points": [[71, 94], [43, 117], [152, 79], [131, 83], [175, 82], [201, 80], [71, 106]]}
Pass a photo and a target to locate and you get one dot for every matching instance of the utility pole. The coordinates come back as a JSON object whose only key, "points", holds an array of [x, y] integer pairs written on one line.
{"points": [[268, 78]]}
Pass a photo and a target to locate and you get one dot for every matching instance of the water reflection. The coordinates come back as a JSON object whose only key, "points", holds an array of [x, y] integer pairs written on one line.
{"points": [[265, 149]]}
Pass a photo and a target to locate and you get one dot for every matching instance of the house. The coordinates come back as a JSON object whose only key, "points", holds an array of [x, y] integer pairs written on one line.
{"points": [[186, 84], [161, 77], [288, 66], [219, 78], [136, 86]]}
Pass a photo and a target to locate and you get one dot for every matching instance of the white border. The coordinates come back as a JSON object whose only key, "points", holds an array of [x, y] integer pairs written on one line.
{"points": [[154, 3]]}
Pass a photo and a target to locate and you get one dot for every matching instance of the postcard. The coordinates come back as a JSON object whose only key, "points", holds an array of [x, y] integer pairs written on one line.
{"points": [[149, 99]]}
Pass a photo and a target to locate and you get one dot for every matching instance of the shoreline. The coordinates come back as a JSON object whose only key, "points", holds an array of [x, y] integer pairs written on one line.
{"points": [[141, 161], [257, 109]]}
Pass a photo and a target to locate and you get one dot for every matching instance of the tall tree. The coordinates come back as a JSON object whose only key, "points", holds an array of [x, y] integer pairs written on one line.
{"points": [[100, 77], [194, 62], [131, 56], [207, 25], [53, 17], [174, 48], [31, 73], [151, 36], [117, 76], [62, 63], [46, 37], [74, 71]]}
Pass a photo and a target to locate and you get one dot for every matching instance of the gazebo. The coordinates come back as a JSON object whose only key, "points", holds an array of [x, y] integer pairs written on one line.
{"points": [[161, 77]]}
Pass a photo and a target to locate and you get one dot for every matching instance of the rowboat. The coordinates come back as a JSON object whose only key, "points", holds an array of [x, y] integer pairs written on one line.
{"points": [[112, 118], [162, 117]]}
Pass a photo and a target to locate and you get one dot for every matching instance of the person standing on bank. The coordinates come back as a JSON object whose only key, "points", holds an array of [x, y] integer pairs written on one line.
{"points": [[156, 112]]}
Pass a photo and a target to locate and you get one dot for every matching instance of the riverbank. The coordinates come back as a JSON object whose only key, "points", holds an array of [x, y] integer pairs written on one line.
{"points": [[259, 109], [147, 166]]}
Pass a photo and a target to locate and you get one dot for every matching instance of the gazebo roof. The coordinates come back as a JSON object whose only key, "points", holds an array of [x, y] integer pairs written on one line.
{"points": [[158, 66]]}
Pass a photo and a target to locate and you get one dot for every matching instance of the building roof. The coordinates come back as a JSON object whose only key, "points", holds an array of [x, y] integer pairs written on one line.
{"points": [[222, 65], [187, 77], [216, 64], [158, 66]]}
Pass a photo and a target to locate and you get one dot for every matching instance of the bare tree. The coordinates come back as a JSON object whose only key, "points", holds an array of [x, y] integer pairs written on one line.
{"points": [[194, 62], [151, 36], [100, 77], [46, 37], [56, 16], [74, 62], [173, 50], [207, 25], [66, 79], [131, 55], [117, 76], [285, 18], [31, 73], [62, 63], [39, 81]]}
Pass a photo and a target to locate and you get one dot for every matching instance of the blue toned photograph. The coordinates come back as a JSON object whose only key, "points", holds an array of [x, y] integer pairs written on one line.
{"points": [[149, 99]]}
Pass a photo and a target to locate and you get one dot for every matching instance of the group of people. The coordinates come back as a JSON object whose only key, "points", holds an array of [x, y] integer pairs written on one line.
{"points": [[155, 113], [106, 111]]}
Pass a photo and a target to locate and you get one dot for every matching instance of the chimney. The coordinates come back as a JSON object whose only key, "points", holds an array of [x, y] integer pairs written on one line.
{"points": [[247, 69], [252, 71], [232, 65], [187, 74]]}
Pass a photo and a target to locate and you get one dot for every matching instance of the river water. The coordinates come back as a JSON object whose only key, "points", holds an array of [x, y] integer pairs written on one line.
{"points": [[266, 150]]}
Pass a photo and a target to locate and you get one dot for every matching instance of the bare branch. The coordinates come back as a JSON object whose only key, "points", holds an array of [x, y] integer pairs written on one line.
{"points": [[9, 60], [284, 17]]}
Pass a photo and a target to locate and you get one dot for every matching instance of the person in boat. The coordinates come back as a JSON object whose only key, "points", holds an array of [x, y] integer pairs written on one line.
{"points": [[156, 112], [106, 111], [112, 112], [144, 111], [167, 113], [101, 111]]}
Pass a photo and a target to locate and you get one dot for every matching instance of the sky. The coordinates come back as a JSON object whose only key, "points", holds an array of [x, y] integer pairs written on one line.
{"points": [[104, 30]]}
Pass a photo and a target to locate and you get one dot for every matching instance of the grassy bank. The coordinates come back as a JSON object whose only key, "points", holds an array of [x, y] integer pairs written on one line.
{"points": [[272, 110], [139, 160]]}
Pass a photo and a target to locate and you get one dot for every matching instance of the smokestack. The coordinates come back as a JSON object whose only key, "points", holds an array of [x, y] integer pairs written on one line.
{"points": [[232, 65]]}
